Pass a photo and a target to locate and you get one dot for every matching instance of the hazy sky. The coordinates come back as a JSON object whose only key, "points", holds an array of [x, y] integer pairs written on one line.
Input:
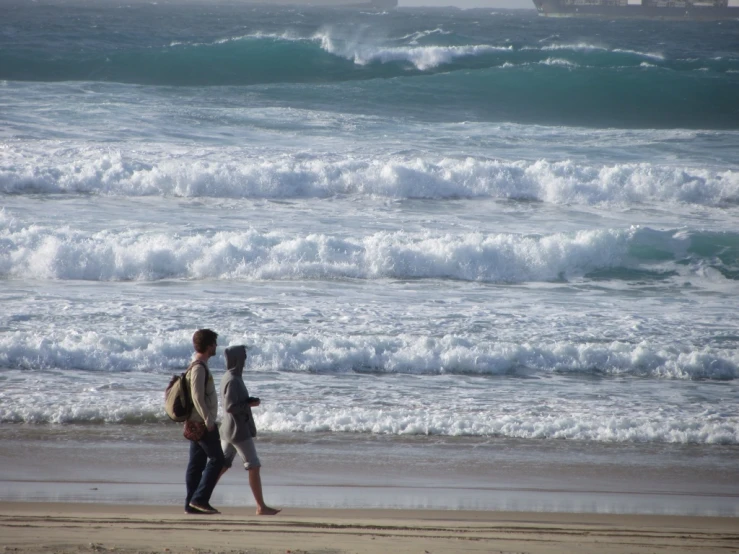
{"points": [[527, 4]]}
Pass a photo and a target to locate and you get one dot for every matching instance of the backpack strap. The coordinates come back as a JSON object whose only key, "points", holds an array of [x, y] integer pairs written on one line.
{"points": [[193, 364]]}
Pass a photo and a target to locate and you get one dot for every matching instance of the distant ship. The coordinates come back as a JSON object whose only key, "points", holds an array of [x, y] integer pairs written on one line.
{"points": [[706, 10], [382, 4]]}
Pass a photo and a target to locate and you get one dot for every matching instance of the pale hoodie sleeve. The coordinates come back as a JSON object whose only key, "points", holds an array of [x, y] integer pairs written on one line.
{"points": [[198, 383]]}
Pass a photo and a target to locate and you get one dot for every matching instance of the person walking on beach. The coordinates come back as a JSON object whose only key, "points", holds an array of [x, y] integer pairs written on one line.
{"points": [[238, 428], [206, 455]]}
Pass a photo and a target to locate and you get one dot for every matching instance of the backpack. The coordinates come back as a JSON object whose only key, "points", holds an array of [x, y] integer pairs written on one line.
{"points": [[177, 401]]}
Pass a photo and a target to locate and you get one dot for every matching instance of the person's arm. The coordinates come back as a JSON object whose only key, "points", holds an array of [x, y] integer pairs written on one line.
{"points": [[198, 376]]}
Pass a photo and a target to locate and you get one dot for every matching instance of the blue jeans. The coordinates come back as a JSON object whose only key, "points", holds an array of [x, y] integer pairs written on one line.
{"points": [[204, 468]]}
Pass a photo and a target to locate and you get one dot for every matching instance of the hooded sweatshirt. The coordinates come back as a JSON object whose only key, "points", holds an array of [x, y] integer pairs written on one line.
{"points": [[238, 423]]}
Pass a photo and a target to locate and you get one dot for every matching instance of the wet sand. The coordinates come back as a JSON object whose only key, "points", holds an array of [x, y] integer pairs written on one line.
{"points": [[121, 488], [121, 464]]}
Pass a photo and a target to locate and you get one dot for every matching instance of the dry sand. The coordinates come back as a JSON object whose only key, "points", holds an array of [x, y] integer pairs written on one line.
{"points": [[73, 528]]}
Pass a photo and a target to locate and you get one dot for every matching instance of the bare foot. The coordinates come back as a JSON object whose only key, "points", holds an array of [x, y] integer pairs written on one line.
{"points": [[267, 511]]}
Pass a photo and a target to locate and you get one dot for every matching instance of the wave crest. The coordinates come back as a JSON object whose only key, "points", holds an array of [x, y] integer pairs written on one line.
{"points": [[401, 354], [40, 252], [421, 57], [234, 173]]}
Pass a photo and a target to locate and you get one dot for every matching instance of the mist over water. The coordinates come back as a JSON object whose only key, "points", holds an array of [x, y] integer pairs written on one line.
{"points": [[423, 221]]}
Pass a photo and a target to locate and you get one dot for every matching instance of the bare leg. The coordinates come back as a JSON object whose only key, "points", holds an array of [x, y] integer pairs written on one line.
{"points": [[255, 482]]}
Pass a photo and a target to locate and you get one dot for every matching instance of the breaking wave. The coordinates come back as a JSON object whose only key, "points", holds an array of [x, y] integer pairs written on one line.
{"points": [[487, 74], [402, 354], [64, 253], [235, 173]]}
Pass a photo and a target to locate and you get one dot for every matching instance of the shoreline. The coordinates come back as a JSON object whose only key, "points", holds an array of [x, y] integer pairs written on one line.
{"points": [[140, 465], [66, 528]]}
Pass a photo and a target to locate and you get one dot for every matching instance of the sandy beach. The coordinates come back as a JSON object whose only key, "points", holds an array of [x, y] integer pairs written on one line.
{"points": [[485, 264], [119, 489], [55, 527]]}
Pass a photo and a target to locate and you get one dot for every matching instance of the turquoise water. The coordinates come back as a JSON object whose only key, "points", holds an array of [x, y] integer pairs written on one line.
{"points": [[425, 222], [435, 65]]}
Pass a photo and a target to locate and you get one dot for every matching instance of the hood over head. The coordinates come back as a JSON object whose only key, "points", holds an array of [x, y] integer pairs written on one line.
{"points": [[235, 359]]}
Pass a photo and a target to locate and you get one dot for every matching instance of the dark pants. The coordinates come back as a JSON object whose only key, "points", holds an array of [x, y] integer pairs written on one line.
{"points": [[206, 462]]}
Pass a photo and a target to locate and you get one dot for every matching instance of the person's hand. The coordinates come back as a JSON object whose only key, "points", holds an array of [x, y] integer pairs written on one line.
{"points": [[254, 402]]}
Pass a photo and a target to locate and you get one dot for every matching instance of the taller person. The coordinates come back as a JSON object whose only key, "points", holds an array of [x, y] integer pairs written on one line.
{"points": [[206, 455]]}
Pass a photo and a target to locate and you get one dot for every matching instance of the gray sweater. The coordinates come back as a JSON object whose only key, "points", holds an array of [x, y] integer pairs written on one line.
{"points": [[237, 423]]}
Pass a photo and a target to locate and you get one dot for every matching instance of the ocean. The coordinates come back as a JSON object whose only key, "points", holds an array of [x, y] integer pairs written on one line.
{"points": [[426, 224]]}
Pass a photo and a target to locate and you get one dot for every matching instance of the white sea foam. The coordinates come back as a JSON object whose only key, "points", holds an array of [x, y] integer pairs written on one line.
{"points": [[370, 364], [330, 227], [363, 50], [39, 252], [587, 47], [422, 57], [287, 35], [651, 55], [97, 345], [638, 427], [416, 36], [293, 402], [559, 61], [90, 408], [236, 173], [580, 46]]}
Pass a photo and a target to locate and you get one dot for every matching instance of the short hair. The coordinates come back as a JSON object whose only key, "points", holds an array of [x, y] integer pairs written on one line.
{"points": [[203, 339]]}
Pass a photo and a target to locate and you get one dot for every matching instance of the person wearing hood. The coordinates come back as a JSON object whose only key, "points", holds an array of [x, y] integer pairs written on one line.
{"points": [[237, 428]]}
